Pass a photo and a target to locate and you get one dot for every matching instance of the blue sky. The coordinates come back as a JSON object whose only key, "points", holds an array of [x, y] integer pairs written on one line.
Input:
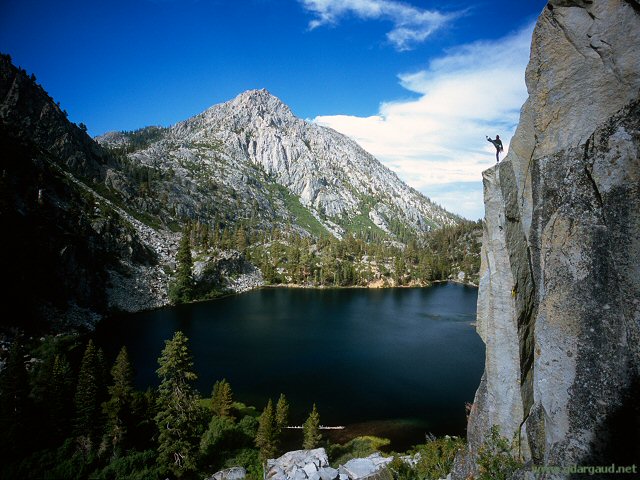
{"points": [[417, 83]]}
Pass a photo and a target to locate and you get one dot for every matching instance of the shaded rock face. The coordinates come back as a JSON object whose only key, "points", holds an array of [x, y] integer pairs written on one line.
{"points": [[28, 113], [68, 255], [559, 299], [59, 247]]}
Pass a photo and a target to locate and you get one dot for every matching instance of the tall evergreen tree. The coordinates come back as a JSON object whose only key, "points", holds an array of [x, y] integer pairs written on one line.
{"points": [[266, 435], [311, 430], [222, 399], [60, 397], [281, 419], [178, 416], [241, 239], [118, 408], [282, 413], [182, 288], [89, 396]]}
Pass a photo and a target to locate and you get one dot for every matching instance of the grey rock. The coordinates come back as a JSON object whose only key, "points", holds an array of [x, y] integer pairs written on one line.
{"points": [[314, 465], [328, 473], [297, 475], [360, 468], [310, 468], [296, 463], [234, 473], [560, 279]]}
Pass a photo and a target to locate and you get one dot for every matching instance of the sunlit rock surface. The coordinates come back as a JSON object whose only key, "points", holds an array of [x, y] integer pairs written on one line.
{"points": [[559, 299]]}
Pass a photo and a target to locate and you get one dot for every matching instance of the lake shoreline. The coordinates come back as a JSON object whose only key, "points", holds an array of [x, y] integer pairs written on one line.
{"points": [[291, 286], [364, 287]]}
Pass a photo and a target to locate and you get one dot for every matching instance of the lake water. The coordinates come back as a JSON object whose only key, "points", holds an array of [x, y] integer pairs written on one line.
{"points": [[393, 362]]}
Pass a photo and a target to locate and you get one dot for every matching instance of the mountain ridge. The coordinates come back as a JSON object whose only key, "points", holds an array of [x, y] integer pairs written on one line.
{"points": [[102, 220], [329, 172]]}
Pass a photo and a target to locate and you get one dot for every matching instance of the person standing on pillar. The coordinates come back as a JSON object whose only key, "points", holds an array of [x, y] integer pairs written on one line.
{"points": [[498, 144]]}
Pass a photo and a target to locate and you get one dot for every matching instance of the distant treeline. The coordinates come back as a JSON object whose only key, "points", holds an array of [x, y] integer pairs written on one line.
{"points": [[287, 257]]}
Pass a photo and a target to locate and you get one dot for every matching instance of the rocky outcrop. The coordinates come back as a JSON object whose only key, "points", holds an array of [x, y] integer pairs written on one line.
{"points": [[234, 473], [300, 465], [372, 467], [227, 270], [28, 113], [558, 303], [314, 465]]}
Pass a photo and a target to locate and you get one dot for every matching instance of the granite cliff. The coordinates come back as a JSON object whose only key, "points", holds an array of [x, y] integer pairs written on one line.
{"points": [[559, 299]]}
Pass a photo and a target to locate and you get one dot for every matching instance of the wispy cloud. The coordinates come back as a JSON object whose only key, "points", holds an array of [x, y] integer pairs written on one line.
{"points": [[411, 25], [438, 138]]}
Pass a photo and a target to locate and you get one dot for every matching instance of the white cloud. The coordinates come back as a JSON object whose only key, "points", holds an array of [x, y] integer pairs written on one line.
{"points": [[439, 137], [411, 25]]}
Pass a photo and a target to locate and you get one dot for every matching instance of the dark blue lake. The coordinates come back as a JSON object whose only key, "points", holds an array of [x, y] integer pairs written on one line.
{"points": [[394, 362]]}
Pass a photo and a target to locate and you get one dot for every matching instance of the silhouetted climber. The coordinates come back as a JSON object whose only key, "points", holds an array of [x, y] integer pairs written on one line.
{"points": [[498, 144]]}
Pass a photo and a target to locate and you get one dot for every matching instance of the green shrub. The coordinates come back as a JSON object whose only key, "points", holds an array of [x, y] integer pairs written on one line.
{"points": [[496, 457], [134, 466], [434, 460], [248, 427], [249, 458], [66, 462], [401, 470], [217, 436], [356, 448], [224, 438]]}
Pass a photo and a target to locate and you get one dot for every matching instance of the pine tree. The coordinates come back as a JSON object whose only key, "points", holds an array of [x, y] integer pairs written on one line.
{"points": [[266, 435], [241, 239], [222, 399], [281, 419], [60, 395], [311, 430], [282, 413], [118, 408], [178, 416], [89, 396], [181, 290]]}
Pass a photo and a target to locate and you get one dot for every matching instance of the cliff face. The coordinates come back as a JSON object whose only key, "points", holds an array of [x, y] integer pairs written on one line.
{"points": [[559, 300]]}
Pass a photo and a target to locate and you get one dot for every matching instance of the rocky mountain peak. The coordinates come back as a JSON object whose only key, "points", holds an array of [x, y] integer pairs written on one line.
{"points": [[255, 139], [251, 109], [257, 97]]}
